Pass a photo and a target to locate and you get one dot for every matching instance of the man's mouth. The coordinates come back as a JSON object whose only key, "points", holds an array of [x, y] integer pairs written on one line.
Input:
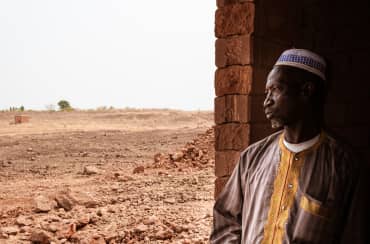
{"points": [[268, 114]]}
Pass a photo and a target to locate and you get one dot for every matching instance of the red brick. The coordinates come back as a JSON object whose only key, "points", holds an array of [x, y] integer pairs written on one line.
{"points": [[233, 80], [231, 136], [220, 183], [235, 50], [220, 107], [234, 19], [239, 108], [222, 3], [231, 108], [225, 162]]}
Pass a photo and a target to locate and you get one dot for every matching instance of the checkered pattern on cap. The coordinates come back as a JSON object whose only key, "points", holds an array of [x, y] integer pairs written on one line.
{"points": [[303, 59]]}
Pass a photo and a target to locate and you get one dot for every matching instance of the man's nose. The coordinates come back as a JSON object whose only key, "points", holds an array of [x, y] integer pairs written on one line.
{"points": [[268, 101]]}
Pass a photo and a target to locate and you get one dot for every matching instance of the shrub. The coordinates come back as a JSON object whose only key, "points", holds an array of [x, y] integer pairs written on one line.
{"points": [[64, 105]]}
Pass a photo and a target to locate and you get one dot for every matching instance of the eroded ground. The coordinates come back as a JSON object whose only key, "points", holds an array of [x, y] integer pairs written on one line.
{"points": [[69, 177]]}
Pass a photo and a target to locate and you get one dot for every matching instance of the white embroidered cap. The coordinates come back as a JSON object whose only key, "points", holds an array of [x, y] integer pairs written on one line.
{"points": [[303, 59]]}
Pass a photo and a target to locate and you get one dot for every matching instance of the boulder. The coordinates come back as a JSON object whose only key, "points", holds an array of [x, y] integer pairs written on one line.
{"points": [[23, 221], [65, 201], [41, 237], [90, 170], [43, 204], [138, 170], [10, 230]]}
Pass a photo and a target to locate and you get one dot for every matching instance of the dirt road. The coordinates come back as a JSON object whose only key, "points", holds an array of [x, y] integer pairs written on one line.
{"points": [[115, 176]]}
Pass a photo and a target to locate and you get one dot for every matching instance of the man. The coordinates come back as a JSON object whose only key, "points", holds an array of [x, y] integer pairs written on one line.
{"points": [[297, 185]]}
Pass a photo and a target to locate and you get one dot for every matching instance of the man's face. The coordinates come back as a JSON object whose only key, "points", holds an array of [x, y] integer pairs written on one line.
{"points": [[282, 104]]}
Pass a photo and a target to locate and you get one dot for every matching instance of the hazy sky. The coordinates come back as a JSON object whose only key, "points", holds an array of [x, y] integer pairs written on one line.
{"points": [[144, 54]]}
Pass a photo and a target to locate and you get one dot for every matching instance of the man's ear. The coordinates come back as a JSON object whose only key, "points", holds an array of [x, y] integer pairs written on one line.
{"points": [[308, 89]]}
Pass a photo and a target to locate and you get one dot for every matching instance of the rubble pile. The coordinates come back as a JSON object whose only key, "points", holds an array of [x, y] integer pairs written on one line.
{"points": [[74, 217], [198, 153], [118, 201]]}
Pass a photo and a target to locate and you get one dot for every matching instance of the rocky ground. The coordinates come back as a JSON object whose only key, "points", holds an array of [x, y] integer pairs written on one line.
{"points": [[140, 176]]}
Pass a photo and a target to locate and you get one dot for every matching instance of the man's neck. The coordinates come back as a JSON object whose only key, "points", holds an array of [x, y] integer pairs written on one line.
{"points": [[301, 131]]}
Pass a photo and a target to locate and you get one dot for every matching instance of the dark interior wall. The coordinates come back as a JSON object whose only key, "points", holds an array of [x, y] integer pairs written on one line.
{"points": [[338, 30], [251, 36]]}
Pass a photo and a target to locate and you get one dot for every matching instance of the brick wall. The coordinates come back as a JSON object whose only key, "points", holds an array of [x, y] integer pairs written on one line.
{"points": [[250, 37]]}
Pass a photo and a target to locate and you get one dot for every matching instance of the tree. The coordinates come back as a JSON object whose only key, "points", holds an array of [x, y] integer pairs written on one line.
{"points": [[64, 105]]}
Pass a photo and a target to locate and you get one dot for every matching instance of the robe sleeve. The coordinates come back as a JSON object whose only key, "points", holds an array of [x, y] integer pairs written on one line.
{"points": [[227, 211]]}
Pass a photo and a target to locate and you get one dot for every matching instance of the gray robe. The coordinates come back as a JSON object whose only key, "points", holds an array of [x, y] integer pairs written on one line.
{"points": [[277, 196]]}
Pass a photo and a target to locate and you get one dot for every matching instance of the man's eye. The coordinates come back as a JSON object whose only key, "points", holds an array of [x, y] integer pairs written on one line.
{"points": [[275, 89]]}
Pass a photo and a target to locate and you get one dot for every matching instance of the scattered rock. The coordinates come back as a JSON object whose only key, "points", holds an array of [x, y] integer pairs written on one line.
{"points": [[23, 221], [65, 201], [138, 170], [43, 204], [163, 235], [81, 198], [54, 218], [162, 173], [82, 221], [90, 170], [110, 209], [124, 178], [3, 236], [141, 228], [150, 220], [158, 157], [10, 230], [177, 156], [41, 237], [170, 200], [67, 231], [197, 153], [25, 229], [100, 212], [129, 203], [97, 240], [52, 227]]}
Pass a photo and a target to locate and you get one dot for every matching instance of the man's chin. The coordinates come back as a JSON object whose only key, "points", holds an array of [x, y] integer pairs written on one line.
{"points": [[276, 124]]}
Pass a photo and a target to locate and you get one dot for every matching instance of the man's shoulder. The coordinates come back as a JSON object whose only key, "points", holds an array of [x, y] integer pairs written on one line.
{"points": [[340, 148], [338, 144], [271, 140]]}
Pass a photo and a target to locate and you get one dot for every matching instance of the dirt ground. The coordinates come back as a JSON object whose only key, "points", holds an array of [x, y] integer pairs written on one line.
{"points": [[111, 176]]}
